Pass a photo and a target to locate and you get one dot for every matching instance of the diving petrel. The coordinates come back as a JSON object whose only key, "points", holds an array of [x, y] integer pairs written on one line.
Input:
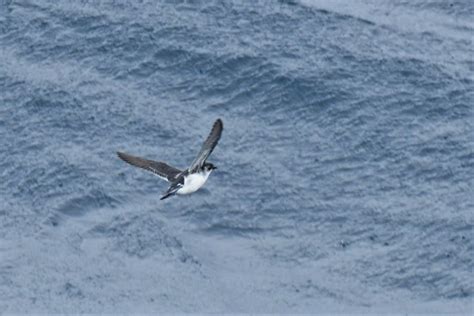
{"points": [[189, 180]]}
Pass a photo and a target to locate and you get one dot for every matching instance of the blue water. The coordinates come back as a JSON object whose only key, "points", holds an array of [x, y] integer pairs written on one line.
{"points": [[346, 165]]}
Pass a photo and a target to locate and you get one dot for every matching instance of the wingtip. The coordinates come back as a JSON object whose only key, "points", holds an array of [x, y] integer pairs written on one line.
{"points": [[219, 121], [125, 157]]}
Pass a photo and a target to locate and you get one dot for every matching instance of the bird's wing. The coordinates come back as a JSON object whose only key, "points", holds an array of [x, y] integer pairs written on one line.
{"points": [[208, 146], [159, 168]]}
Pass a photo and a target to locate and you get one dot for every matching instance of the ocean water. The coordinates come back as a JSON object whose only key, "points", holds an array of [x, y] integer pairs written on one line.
{"points": [[346, 166]]}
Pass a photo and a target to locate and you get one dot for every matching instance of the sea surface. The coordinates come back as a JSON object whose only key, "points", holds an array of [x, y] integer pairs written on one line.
{"points": [[345, 170]]}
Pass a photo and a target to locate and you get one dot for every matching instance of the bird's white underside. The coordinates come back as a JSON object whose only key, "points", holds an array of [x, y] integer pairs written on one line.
{"points": [[194, 182]]}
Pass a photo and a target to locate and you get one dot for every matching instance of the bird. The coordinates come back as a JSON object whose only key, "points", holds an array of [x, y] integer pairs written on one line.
{"points": [[182, 181]]}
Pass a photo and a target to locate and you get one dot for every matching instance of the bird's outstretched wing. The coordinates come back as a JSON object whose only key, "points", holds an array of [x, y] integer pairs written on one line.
{"points": [[208, 146], [159, 168]]}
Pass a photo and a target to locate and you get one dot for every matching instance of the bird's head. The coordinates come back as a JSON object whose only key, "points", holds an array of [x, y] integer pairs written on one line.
{"points": [[209, 166]]}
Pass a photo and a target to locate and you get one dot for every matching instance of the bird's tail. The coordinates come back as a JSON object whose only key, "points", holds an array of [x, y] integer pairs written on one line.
{"points": [[167, 195], [171, 191]]}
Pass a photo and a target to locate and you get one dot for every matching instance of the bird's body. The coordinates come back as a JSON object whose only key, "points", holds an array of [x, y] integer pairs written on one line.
{"points": [[193, 182], [189, 180]]}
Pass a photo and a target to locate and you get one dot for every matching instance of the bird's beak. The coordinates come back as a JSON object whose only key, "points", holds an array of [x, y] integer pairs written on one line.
{"points": [[214, 167]]}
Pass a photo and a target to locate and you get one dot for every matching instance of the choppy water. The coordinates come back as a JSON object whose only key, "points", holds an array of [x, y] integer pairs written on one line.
{"points": [[345, 168]]}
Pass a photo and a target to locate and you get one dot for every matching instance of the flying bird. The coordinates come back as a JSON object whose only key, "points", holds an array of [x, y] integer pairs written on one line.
{"points": [[186, 181]]}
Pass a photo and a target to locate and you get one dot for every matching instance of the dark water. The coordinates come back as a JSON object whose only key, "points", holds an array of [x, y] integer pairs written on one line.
{"points": [[345, 168]]}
